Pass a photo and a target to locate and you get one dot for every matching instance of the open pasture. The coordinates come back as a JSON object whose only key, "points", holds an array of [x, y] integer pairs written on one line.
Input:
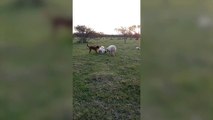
{"points": [[106, 87]]}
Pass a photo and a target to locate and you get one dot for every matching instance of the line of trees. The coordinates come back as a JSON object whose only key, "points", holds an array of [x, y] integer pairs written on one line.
{"points": [[84, 33], [129, 32]]}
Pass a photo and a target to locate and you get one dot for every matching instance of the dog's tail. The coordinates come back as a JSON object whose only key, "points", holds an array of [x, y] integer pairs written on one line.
{"points": [[87, 45]]}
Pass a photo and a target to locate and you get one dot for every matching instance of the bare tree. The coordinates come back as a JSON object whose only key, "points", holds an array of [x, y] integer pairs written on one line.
{"points": [[84, 33], [130, 32], [124, 31]]}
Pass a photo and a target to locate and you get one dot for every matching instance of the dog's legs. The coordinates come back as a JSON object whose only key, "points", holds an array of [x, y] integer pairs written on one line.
{"points": [[113, 54], [89, 50]]}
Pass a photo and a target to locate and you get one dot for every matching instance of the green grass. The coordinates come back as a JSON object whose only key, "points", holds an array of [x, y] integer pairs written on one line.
{"points": [[106, 87], [36, 72]]}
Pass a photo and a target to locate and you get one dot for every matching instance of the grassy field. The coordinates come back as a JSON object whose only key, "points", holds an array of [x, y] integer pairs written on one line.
{"points": [[35, 70], [106, 87]]}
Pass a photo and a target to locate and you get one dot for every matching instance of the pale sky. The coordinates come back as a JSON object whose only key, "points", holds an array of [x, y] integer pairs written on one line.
{"points": [[106, 15]]}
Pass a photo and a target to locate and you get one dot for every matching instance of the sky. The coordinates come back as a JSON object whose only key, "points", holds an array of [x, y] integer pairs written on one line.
{"points": [[106, 15]]}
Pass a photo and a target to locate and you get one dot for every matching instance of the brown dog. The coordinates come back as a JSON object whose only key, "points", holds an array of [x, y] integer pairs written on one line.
{"points": [[95, 48]]}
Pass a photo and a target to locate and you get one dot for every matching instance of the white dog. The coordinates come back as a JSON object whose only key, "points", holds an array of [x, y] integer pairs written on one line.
{"points": [[101, 50], [111, 49]]}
